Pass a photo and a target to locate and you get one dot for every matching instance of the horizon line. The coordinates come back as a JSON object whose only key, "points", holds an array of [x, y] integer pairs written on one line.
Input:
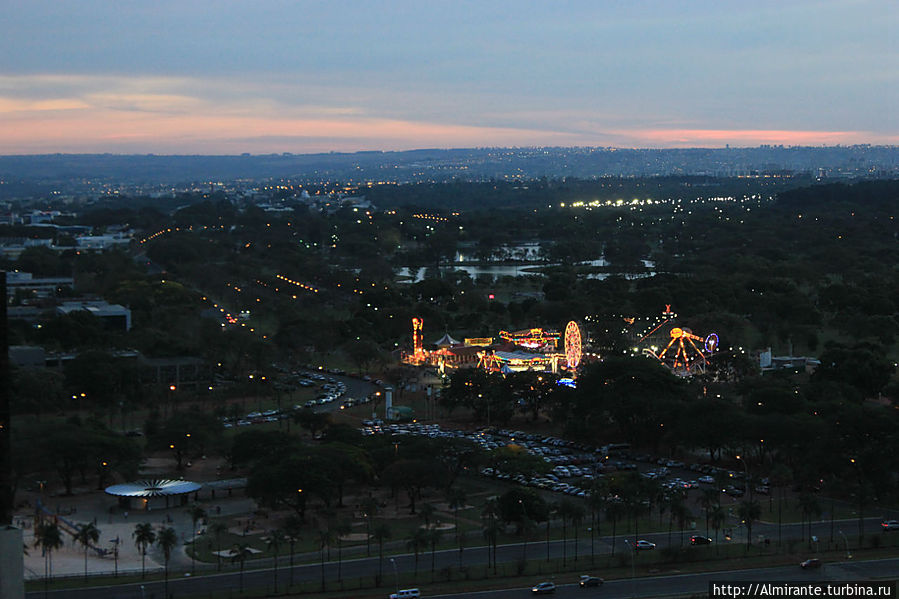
{"points": [[456, 149]]}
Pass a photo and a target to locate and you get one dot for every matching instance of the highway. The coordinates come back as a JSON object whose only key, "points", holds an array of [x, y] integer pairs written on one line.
{"points": [[640, 587]]}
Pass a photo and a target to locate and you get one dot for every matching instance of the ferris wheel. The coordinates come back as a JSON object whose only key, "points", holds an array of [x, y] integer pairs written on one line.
{"points": [[573, 345]]}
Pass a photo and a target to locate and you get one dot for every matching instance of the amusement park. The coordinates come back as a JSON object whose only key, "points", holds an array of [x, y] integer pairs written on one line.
{"points": [[540, 349]]}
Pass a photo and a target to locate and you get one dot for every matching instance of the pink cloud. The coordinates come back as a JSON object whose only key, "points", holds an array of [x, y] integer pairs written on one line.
{"points": [[720, 137]]}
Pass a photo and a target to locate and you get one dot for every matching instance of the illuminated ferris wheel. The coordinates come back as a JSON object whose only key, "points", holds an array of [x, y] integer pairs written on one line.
{"points": [[573, 345]]}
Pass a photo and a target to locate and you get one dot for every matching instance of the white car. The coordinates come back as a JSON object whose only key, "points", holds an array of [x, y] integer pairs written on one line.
{"points": [[543, 588]]}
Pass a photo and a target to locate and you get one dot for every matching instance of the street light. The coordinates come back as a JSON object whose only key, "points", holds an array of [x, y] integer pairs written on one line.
{"points": [[115, 553], [633, 548], [396, 576], [846, 541]]}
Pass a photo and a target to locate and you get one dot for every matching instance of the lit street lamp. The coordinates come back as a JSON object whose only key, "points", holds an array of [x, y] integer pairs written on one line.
{"points": [[396, 575]]}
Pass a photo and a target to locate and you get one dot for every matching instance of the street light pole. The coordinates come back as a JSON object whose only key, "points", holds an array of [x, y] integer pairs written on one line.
{"points": [[396, 576], [633, 549]]}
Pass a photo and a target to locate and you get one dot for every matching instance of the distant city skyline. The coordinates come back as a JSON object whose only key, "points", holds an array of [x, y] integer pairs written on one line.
{"points": [[276, 76]]}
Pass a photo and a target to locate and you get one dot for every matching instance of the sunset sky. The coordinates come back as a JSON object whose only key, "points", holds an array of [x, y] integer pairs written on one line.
{"points": [[229, 76]]}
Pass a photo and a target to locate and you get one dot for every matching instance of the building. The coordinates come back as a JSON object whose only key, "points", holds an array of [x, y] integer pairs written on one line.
{"points": [[38, 287], [113, 315]]}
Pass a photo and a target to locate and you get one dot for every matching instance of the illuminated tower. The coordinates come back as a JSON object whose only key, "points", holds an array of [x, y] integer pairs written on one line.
{"points": [[418, 350]]}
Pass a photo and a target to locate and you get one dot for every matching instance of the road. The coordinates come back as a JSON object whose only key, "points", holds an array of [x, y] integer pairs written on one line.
{"points": [[646, 587]]}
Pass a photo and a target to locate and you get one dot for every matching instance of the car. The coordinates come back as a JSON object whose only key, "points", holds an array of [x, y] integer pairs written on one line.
{"points": [[888, 525], [590, 581], [543, 588], [642, 545], [700, 540], [707, 480], [810, 564], [734, 491]]}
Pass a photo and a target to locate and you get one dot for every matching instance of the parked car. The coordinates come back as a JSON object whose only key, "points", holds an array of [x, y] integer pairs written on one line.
{"points": [[810, 564], [700, 540], [644, 545], [543, 588], [888, 525], [590, 581]]}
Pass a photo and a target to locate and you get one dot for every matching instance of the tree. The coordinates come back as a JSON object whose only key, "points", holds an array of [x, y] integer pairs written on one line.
{"points": [[456, 499], [614, 511], [749, 512], [167, 539], [341, 529], [217, 528], [144, 536], [810, 508], [275, 540], [369, 511], [417, 542], [489, 515], [717, 517], [292, 528], [239, 553], [434, 535], [48, 537], [87, 535], [596, 501], [196, 513], [426, 512], [380, 534]]}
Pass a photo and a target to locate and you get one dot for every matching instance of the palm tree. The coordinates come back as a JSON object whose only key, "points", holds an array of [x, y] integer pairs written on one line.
{"points": [[166, 538], [780, 477], [434, 535], [370, 509], [87, 535], [810, 508], [426, 512], [576, 514], [380, 534], [217, 528], [527, 526], [292, 528], [144, 536], [682, 514], [717, 517], [239, 553], [749, 512], [491, 528], [48, 537], [341, 529], [275, 539], [196, 513], [417, 542], [325, 538], [614, 512], [564, 509], [596, 500], [707, 498], [456, 498]]}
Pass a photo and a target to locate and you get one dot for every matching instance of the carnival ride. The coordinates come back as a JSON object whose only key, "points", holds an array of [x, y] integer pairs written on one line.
{"points": [[574, 349], [686, 353], [536, 338]]}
